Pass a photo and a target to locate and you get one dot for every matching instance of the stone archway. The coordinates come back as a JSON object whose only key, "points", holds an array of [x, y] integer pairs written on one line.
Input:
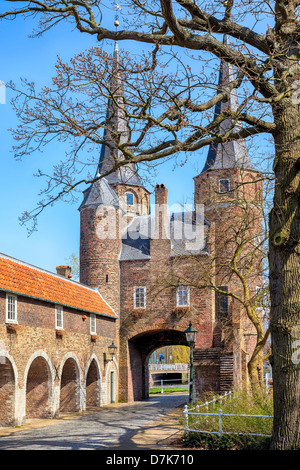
{"points": [[38, 389], [139, 348], [70, 387], [7, 392], [92, 385]]}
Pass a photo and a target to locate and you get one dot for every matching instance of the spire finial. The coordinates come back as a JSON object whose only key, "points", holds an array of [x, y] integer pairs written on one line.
{"points": [[117, 15], [225, 40]]}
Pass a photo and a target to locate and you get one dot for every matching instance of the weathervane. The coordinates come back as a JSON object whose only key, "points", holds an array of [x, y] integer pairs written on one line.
{"points": [[117, 15]]}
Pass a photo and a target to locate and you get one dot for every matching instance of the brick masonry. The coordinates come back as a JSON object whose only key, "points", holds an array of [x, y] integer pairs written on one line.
{"points": [[42, 374]]}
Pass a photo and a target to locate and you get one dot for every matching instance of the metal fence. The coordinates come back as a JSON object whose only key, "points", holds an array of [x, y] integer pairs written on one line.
{"points": [[220, 416], [160, 384], [166, 367]]}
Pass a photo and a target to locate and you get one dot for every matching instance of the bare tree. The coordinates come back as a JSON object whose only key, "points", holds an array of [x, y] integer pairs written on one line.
{"points": [[267, 63], [236, 268]]}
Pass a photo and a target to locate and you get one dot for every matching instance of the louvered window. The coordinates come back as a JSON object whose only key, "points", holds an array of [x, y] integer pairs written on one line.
{"points": [[222, 303]]}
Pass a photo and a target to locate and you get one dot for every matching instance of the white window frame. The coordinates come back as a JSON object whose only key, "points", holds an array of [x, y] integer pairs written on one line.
{"points": [[93, 328], [224, 179], [131, 194], [11, 317], [59, 323], [179, 297], [136, 299]]}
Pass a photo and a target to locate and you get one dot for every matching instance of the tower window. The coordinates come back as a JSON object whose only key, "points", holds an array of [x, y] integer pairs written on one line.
{"points": [[224, 185], [221, 303], [129, 199], [183, 296], [139, 298]]}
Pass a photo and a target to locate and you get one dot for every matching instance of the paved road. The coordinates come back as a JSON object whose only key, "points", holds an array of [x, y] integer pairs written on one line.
{"points": [[115, 427]]}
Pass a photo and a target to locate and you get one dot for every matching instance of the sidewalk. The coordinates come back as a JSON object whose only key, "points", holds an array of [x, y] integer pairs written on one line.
{"points": [[161, 434], [136, 430]]}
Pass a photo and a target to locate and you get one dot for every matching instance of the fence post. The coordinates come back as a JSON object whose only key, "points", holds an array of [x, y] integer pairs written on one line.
{"points": [[186, 415], [220, 423], [162, 386]]}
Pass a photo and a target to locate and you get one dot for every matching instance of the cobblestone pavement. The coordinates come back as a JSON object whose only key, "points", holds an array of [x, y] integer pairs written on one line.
{"points": [[149, 424]]}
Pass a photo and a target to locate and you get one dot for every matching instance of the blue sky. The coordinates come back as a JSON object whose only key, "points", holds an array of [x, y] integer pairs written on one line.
{"points": [[58, 228]]}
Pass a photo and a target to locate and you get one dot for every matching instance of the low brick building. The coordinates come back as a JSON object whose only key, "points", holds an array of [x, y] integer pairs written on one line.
{"points": [[55, 335]]}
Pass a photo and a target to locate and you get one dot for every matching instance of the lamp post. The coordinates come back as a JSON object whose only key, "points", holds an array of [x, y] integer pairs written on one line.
{"points": [[112, 351], [190, 334]]}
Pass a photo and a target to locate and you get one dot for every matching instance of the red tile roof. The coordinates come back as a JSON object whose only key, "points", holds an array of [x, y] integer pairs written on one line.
{"points": [[24, 279]]}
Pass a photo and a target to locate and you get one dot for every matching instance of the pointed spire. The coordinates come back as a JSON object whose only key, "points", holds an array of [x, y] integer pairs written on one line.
{"points": [[116, 122], [229, 154], [100, 193]]}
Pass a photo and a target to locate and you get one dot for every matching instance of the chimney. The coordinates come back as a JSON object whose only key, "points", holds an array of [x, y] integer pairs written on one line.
{"points": [[161, 212], [64, 271]]}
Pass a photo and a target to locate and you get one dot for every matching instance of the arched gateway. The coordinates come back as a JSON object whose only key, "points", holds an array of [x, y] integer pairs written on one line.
{"points": [[140, 347]]}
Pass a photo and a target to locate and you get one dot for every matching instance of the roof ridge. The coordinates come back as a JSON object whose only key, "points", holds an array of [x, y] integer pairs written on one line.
{"points": [[25, 279], [37, 268]]}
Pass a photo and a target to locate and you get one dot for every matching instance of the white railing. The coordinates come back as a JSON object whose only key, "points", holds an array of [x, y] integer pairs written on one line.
{"points": [[161, 382], [214, 400], [220, 415], [175, 366]]}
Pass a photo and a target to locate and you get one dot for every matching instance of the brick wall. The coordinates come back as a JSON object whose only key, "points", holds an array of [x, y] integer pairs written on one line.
{"points": [[161, 322], [42, 374]]}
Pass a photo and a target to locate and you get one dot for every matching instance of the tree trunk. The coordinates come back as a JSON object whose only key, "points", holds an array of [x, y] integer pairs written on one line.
{"points": [[284, 257], [255, 371]]}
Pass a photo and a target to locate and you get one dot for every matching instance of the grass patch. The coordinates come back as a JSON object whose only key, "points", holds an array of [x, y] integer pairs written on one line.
{"points": [[167, 390], [239, 403], [227, 442]]}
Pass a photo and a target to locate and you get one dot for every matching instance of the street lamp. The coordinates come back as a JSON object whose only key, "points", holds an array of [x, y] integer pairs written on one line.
{"points": [[190, 334], [112, 351]]}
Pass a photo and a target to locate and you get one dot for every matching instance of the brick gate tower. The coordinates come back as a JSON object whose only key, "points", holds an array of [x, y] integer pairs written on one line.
{"points": [[147, 265], [230, 188]]}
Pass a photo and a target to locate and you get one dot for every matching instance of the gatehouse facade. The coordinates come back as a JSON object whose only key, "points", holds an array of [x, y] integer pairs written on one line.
{"points": [[144, 276], [163, 269]]}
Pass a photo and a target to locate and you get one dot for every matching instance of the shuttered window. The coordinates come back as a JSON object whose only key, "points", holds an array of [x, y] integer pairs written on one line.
{"points": [[221, 303]]}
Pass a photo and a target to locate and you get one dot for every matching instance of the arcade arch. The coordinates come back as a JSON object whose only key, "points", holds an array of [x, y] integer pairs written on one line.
{"points": [[70, 386], [7, 391], [93, 384], [38, 379]]}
